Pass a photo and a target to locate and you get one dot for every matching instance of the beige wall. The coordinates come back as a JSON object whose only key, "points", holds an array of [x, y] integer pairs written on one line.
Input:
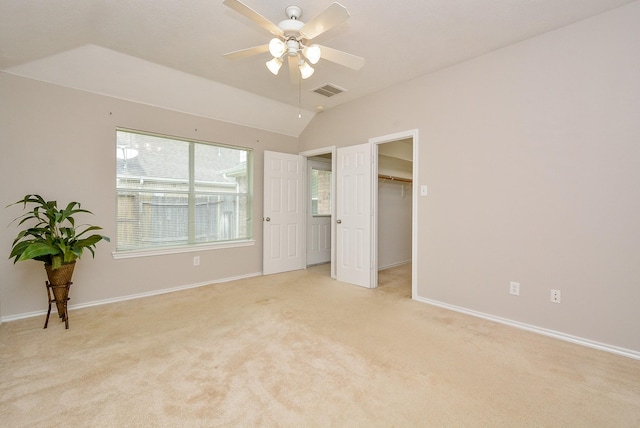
{"points": [[532, 157], [59, 142], [395, 203]]}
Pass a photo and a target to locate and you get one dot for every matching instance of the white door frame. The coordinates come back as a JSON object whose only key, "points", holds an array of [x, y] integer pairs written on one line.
{"points": [[413, 133], [318, 152]]}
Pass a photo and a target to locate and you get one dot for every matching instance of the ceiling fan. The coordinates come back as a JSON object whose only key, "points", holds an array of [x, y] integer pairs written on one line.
{"points": [[292, 40]]}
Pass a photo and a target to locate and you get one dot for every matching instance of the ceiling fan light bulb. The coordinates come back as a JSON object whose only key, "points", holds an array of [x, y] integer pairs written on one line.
{"points": [[276, 47], [274, 65], [305, 70], [312, 53]]}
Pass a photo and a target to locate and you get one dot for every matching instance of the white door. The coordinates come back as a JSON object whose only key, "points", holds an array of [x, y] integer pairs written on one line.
{"points": [[318, 211], [283, 214], [353, 215]]}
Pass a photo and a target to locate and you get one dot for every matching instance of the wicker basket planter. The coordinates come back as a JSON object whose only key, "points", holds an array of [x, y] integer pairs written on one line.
{"points": [[59, 282]]}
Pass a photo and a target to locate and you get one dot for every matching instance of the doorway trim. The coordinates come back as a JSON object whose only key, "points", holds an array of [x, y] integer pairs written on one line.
{"points": [[375, 142], [318, 152]]}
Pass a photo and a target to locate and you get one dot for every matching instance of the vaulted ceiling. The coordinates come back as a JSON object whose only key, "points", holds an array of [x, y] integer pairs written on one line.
{"points": [[169, 52]]}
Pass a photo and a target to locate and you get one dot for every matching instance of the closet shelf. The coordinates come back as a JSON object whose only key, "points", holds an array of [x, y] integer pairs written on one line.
{"points": [[392, 178]]}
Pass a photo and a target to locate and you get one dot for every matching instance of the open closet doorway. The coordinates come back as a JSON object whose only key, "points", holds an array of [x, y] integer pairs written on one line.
{"points": [[395, 212], [320, 207]]}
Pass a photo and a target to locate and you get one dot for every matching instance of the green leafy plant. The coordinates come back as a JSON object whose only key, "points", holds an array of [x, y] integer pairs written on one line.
{"points": [[54, 237]]}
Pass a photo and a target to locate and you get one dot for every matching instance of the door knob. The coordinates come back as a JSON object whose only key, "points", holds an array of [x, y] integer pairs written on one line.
{"points": [[339, 222], [268, 219]]}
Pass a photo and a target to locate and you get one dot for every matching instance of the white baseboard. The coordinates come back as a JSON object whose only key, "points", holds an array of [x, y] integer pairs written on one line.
{"points": [[540, 330], [128, 297], [393, 265]]}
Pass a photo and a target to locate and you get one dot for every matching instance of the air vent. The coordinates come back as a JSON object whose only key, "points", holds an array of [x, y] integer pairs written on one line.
{"points": [[328, 90]]}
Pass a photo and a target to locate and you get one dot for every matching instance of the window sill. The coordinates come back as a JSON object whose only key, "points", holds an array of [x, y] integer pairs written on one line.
{"points": [[177, 250]]}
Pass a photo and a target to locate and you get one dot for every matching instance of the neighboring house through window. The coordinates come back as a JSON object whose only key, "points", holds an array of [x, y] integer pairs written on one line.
{"points": [[178, 192]]}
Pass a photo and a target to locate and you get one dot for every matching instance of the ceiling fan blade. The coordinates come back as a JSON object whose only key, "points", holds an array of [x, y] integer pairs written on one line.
{"points": [[294, 73], [334, 15], [243, 53], [245, 10], [348, 60]]}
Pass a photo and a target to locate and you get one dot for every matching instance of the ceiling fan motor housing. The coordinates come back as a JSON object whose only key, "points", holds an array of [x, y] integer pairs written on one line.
{"points": [[291, 30], [291, 27]]}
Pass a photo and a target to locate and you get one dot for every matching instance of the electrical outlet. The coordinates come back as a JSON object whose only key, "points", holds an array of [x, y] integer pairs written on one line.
{"points": [[196, 260], [514, 288], [555, 296]]}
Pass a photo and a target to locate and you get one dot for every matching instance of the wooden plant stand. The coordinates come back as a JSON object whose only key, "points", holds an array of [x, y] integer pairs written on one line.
{"points": [[62, 291]]}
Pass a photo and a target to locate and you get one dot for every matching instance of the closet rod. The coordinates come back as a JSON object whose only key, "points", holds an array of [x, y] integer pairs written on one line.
{"points": [[392, 178]]}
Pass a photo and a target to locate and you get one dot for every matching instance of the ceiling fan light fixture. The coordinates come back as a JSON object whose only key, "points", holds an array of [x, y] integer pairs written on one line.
{"points": [[277, 47], [293, 46], [312, 53], [274, 65], [305, 70]]}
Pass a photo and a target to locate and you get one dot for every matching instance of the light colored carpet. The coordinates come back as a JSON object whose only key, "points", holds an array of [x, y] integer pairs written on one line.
{"points": [[300, 349]]}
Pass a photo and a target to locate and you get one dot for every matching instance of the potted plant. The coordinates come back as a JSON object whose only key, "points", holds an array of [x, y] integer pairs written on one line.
{"points": [[54, 238]]}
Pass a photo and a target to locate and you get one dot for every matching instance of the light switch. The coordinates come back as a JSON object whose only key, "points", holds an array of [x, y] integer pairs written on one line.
{"points": [[423, 190]]}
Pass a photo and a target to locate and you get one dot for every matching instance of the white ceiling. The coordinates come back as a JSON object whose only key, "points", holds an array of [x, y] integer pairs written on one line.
{"points": [[169, 52]]}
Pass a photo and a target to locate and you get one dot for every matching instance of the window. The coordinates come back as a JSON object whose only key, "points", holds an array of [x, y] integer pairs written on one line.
{"points": [[174, 192], [320, 192]]}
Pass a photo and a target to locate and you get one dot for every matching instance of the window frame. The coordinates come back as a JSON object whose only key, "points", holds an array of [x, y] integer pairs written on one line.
{"points": [[192, 197]]}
